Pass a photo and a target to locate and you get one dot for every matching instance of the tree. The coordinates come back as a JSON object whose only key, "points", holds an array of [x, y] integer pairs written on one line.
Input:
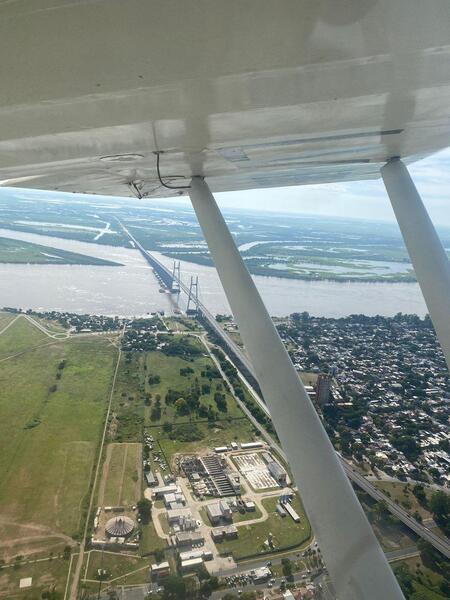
{"points": [[174, 588], [404, 578], [248, 596], [206, 589], [220, 401], [406, 444], [419, 493], [144, 507], [159, 555], [181, 406], [167, 427], [431, 558], [287, 567], [381, 511], [440, 507]]}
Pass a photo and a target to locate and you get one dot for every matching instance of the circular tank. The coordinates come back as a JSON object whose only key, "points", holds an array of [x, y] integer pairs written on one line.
{"points": [[119, 526]]}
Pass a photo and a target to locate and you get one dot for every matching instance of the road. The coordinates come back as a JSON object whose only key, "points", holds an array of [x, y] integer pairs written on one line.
{"points": [[422, 531], [402, 553]]}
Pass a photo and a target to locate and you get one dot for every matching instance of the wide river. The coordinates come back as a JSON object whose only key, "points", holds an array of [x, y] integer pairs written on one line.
{"points": [[133, 290]]}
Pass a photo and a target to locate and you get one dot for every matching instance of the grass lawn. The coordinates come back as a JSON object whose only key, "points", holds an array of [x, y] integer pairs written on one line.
{"points": [[246, 516], [391, 534], [20, 336], [426, 581], [402, 494], [285, 532], [45, 576], [121, 485], [6, 318], [49, 432], [150, 540], [117, 565], [164, 523], [128, 400], [52, 326]]}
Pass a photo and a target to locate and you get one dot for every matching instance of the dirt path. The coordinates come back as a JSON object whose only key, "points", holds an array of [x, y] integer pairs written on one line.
{"points": [[77, 572], [32, 533], [104, 479], [51, 334], [60, 486], [138, 486], [124, 466], [9, 325]]}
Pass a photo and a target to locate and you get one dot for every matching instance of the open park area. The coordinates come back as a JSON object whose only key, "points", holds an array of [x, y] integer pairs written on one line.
{"points": [[54, 395]]}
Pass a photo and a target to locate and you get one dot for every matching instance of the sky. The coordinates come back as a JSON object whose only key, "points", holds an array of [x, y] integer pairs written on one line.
{"points": [[357, 199]]}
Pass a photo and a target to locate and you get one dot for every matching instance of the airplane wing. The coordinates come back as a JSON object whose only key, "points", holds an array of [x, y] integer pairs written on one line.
{"points": [[251, 94]]}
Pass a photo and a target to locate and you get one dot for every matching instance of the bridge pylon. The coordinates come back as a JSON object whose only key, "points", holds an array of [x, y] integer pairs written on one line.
{"points": [[193, 296], [176, 278]]}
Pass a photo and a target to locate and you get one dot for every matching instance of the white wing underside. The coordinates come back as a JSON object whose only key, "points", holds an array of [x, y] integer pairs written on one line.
{"points": [[251, 94]]}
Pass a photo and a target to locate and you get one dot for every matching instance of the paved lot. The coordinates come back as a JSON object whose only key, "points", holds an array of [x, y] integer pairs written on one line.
{"points": [[254, 469]]}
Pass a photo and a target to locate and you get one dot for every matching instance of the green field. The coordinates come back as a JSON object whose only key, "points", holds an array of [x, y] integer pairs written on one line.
{"points": [[286, 533], [391, 534], [50, 325], [118, 566], [164, 523], [46, 576], [128, 402], [16, 251], [121, 481], [150, 540], [52, 405], [6, 318], [180, 323], [168, 368], [135, 397], [402, 494], [20, 336], [425, 581]]}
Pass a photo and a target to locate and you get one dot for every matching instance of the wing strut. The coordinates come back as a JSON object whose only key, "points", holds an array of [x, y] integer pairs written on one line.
{"points": [[356, 563], [425, 249]]}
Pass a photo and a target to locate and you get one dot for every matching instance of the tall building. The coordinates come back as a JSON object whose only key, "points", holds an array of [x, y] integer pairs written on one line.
{"points": [[323, 388]]}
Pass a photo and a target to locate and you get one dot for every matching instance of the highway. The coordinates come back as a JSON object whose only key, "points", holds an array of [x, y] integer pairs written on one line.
{"points": [[440, 543], [200, 307]]}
